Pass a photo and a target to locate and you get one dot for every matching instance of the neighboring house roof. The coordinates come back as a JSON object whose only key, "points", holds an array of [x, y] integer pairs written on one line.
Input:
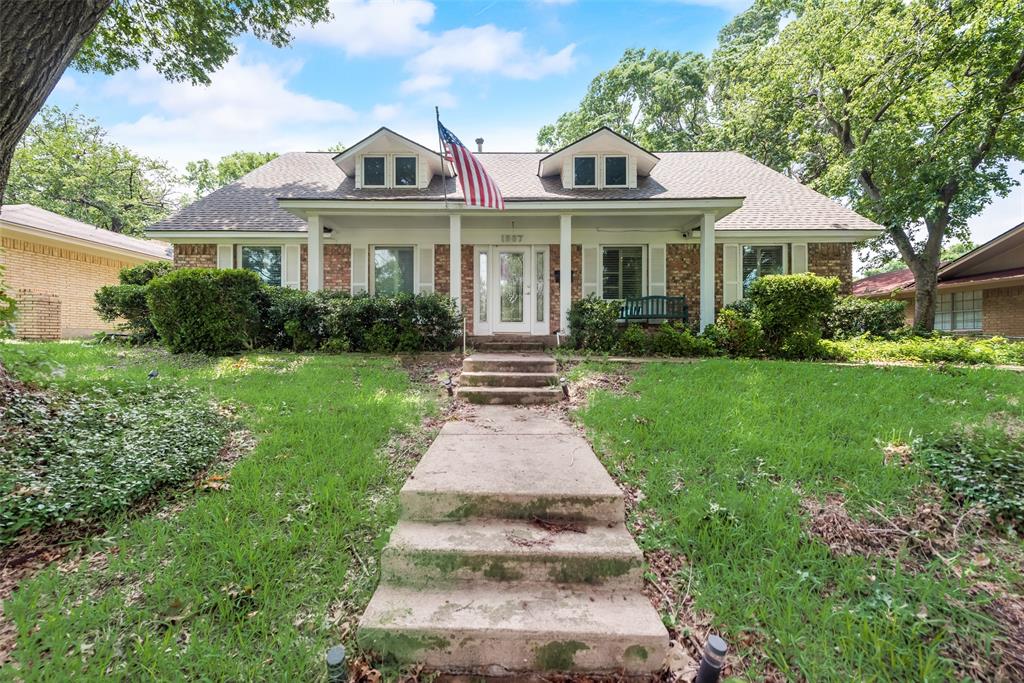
{"points": [[998, 261], [49, 224], [772, 201]]}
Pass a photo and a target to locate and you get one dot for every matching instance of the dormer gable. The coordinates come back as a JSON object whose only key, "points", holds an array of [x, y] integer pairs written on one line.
{"points": [[602, 159], [385, 159]]}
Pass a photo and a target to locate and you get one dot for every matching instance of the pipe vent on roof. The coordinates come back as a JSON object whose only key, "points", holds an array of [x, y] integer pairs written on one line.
{"points": [[479, 145]]}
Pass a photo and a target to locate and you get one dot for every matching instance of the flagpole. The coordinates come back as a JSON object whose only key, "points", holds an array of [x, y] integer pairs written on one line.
{"points": [[440, 148]]}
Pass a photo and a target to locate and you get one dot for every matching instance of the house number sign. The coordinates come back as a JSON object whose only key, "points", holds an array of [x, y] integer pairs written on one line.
{"points": [[511, 239]]}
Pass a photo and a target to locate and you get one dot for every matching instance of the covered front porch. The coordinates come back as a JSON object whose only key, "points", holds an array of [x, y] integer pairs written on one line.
{"points": [[511, 272]]}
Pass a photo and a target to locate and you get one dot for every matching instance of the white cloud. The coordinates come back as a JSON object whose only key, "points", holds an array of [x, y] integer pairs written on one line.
{"points": [[373, 27], [385, 112], [732, 6], [67, 85], [248, 106], [425, 82]]}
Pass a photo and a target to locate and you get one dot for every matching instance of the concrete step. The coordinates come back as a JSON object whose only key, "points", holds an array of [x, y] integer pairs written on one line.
{"points": [[427, 553], [508, 379], [491, 629], [501, 346], [509, 362], [520, 396], [510, 476]]}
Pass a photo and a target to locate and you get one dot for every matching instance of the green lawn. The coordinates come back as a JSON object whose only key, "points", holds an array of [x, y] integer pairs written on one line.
{"points": [[250, 582], [724, 451]]}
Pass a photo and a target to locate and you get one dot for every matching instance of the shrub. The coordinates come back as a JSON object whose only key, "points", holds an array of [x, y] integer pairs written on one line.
{"points": [[633, 342], [593, 324], [791, 309], [677, 340], [143, 273], [745, 307], [126, 303], [205, 310], [8, 308], [935, 348], [736, 334], [853, 316]]}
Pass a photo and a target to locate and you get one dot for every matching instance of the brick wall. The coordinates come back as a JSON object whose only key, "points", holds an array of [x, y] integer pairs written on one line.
{"points": [[832, 260], [38, 315], [682, 268], [70, 274], [443, 268], [468, 297], [338, 267], [195, 255], [1003, 311]]}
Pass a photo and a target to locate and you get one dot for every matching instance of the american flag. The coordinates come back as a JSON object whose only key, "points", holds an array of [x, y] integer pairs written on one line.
{"points": [[478, 188]]}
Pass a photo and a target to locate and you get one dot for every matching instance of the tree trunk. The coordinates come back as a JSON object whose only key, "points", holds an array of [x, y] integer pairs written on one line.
{"points": [[925, 295], [39, 38]]}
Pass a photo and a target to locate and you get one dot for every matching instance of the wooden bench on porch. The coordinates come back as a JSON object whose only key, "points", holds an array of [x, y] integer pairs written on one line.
{"points": [[655, 308]]}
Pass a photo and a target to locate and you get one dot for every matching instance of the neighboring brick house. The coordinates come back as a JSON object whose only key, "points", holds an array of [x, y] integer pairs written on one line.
{"points": [[53, 266], [982, 292], [600, 217]]}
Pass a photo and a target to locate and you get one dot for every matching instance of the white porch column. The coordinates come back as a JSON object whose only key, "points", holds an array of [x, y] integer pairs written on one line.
{"points": [[315, 251], [455, 257], [565, 266], [707, 270]]}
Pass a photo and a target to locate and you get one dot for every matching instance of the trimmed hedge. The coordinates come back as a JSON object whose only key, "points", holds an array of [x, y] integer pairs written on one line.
{"points": [[853, 316], [593, 324], [126, 303], [204, 310], [791, 310]]}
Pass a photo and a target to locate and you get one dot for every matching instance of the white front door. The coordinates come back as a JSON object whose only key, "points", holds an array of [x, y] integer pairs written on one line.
{"points": [[511, 295]]}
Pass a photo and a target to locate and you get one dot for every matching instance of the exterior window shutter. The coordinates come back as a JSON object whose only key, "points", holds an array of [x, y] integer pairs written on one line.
{"points": [[656, 264], [426, 284], [590, 270], [799, 257], [225, 256], [567, 179], [360, 269], [731, 289], [290, 267], [631, 171]]}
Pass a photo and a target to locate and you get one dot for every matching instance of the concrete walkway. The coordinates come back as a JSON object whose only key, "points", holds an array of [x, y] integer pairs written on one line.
{"points": [[512, 556]]}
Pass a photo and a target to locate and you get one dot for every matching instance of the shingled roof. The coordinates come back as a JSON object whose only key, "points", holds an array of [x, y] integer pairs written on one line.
{"points": [[772, 201]]}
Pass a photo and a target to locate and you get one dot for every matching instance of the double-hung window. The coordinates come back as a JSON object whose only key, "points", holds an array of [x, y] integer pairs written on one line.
{"points": [[615, 171], [584, 172], [959, 311], [758, 261], [405, 171], [265, 262], [373, 172], [393, 270], [622, 272]]}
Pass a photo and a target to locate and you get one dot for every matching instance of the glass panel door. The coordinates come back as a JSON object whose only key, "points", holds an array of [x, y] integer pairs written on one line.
{"points": [[512, 279]]}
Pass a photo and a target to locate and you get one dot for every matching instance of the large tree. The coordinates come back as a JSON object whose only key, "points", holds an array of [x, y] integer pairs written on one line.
{"points": [[65, 164], [204, 176], [183, 39], [909, 109], [657, 98]]}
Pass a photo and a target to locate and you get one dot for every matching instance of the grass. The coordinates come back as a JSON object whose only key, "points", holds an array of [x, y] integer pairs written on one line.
{"points": [[724, 452], [250, 582]]}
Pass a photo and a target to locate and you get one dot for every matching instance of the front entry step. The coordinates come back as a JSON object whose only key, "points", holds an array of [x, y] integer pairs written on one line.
{"points": [[511, 395], [530, 627], [510, 378]]}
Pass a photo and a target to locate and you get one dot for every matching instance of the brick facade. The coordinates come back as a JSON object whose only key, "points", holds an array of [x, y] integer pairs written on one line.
{"points": [[1002, 311], [338, 267], [38, 315], [833, 259], [38, 270], [195, 255], [682, 269], [443, 268]]}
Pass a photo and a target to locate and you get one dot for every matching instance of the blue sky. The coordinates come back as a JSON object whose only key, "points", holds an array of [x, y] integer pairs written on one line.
{"points": [[498, 69]]}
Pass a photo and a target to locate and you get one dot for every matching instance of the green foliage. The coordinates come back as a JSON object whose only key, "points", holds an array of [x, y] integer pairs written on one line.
{"points": [[126, 303], [65, 164], [81, 456], [656, 98], [675, 339], [736, 334], [593, 324], [791, 309], [8, 308], [205, 176], [936, 348], [982, 464], [144, 272], [205, 310], [186, 40], [950, 253], [853, 316], [633, 341]]}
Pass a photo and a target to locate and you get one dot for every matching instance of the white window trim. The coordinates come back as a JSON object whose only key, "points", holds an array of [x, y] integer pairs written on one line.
{"points": [[604, 171], [597, 170], [371, 253], [739, 265], [416, 170], [644, 275], [362, 162], [275, 245]]}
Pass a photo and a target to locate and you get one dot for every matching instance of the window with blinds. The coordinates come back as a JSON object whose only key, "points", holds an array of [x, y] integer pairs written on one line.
{"points": [[958, 311], [758, 261], [622, 272]]}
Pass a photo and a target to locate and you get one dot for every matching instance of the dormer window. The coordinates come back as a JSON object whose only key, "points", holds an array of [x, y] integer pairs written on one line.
{"points": [[405, 171], [373, 171], [615, 171], [585, 171]]}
